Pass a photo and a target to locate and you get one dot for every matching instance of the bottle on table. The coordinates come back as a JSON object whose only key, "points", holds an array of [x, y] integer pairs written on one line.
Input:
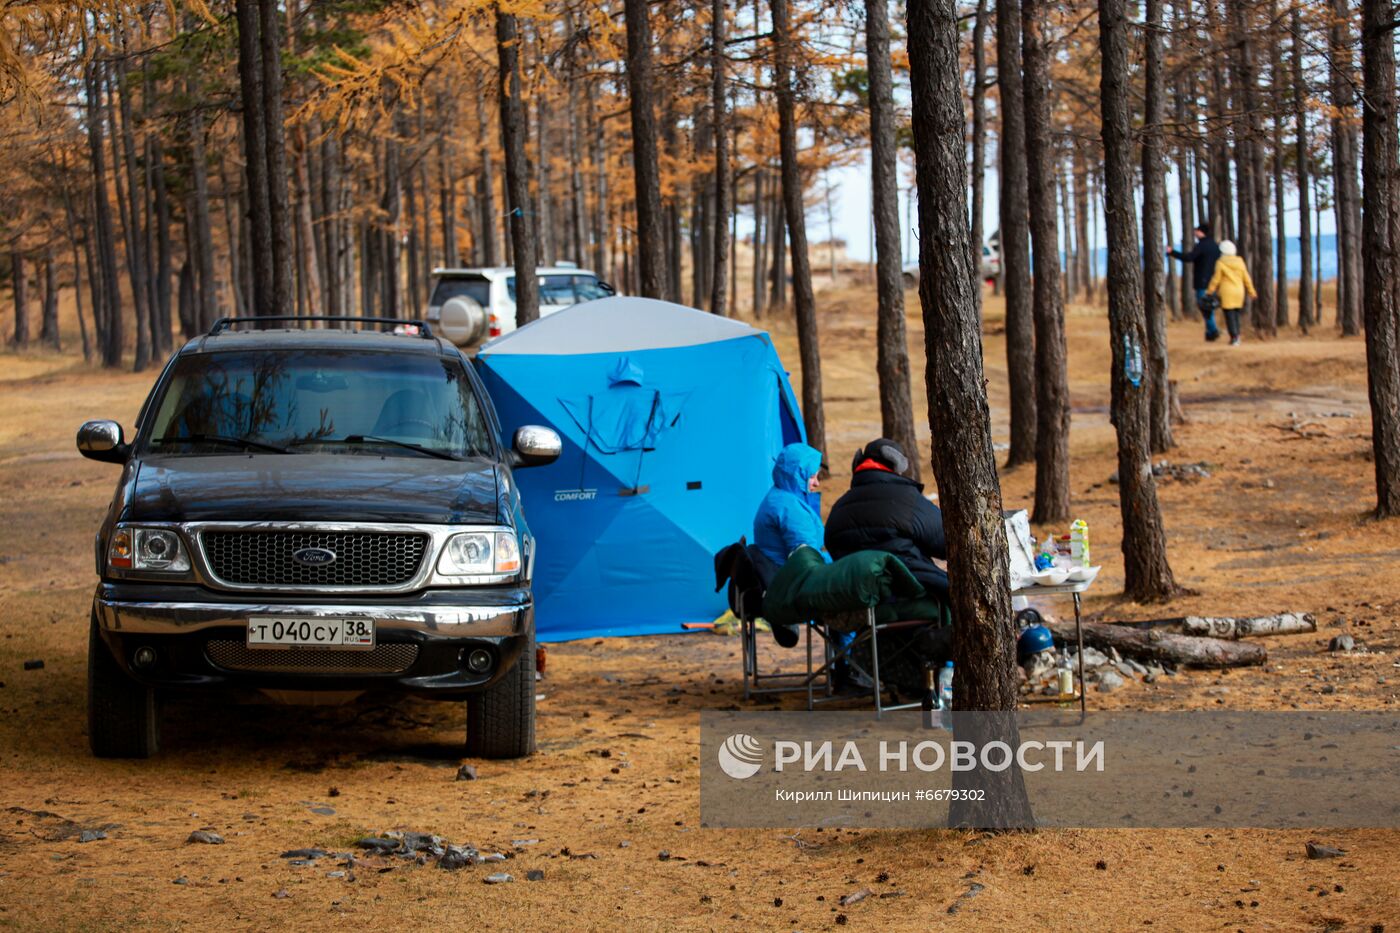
{"points": [[930, 705], [945, 694]]}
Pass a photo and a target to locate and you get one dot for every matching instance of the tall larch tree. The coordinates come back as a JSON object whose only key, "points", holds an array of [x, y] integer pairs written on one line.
{"points": [[892, 347], [641, 88], [1147, 575], [963, 461]]}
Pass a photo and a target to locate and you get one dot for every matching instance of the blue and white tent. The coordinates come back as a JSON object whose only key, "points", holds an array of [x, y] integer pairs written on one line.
{"points": [[671, 420]]}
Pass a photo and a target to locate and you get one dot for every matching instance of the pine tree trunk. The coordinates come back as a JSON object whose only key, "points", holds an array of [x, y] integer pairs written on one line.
{"points": [[1052, 406], [963, 462], [641, 86], [1148, 577], [207, 300], [724, 195], [1015, 237], [892, 347], [1276, 83], [513, 141], [1347, 196], [545, 182], [1382, 317], [279, 207], [1185, 200], [123, 179], [1300, 159], [761, 233], [979, 148], [263, 298], [1082, 256], [48, 326], [20, 287], [307, 265], [162, 328], [777, 235], [1154, 190], [485, 191], [813, 412], [1256, 246]]}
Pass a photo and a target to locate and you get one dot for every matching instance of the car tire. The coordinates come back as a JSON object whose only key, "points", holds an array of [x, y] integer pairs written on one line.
{"points": [[501, 719], [123, 720]]}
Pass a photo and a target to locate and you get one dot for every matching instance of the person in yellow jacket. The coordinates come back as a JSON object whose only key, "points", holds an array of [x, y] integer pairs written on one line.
{"points": [[1231, 282]]}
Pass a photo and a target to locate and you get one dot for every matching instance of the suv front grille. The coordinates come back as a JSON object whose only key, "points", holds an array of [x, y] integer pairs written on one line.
{"points": [[381, 659], [362, 558]]}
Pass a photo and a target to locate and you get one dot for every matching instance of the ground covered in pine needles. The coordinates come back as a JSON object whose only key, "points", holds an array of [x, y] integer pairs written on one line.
{"points": [[608, 811]]}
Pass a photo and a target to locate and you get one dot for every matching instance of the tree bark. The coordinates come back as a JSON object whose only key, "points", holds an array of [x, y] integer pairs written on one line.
{"points": [[279, 208], [263, 299], [641, 86], [1378, 246], [1165, 647], [48, 325], [161, 324], [963, 462], [891, 341], [1301, 156], [813, 413], [979, 147], [760, 244], [1347, 195], [20, 287], [1015, 237], [206, 281], [129, 204], [513, 141], [1148, 577], [1276, 82], [719, 282], [1154, 191], [486, 191], [1256, 245], [1052, 407]]}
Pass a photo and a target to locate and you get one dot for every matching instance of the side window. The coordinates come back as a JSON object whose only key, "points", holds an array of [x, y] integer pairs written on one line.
{"points": [[586, 287], [510, 287], [556, 290]]}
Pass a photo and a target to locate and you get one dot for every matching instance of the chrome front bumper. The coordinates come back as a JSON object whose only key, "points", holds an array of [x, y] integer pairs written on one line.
{"points": [[133, 617]]}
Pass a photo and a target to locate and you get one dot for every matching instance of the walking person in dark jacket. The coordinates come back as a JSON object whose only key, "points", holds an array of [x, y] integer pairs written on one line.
{"points": [[1203, 257], [886, 511]]}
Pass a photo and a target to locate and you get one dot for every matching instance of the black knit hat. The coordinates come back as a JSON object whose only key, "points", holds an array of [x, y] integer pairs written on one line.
{"points": [[1203, 229], [884, 452]]}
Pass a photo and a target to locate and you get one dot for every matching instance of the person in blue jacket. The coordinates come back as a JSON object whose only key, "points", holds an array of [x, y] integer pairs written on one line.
{"points": [[788, 516]]}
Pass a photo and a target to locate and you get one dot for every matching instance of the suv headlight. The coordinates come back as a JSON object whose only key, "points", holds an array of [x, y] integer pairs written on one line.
{"points": [[147, 549], [477, 553]]}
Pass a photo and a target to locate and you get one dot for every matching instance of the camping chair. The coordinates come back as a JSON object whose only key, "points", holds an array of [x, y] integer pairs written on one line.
{"points": [[748, 572], [867, 629]]}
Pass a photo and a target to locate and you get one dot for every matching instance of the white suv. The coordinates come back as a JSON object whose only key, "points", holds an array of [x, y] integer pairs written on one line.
{"points": [[494, 290]]}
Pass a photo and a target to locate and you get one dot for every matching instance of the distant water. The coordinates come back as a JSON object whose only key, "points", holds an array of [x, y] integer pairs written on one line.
{"points": [[1328, 257]]}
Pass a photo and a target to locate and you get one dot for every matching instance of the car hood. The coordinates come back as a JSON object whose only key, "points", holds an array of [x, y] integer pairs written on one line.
{"points": [[314, 488]]}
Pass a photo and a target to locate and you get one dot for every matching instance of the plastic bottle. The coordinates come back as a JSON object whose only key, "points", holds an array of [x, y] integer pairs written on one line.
{"points": [[945, 694], [1066, 676], [1079, 543], [1132, 360], [930, 705]]}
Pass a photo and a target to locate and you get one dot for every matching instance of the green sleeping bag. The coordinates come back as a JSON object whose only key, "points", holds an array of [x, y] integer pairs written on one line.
{"points": [[807, 587]]}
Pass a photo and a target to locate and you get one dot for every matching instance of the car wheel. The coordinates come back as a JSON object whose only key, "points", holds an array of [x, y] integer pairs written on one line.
{"points": [[123, 721], [501, 719]]}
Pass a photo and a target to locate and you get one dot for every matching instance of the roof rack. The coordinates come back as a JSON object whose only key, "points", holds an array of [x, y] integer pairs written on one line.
{"points": [[425, 330]]}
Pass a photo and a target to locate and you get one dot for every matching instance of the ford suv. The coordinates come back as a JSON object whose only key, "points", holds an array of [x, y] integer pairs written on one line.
{"points": [[315, 509]]}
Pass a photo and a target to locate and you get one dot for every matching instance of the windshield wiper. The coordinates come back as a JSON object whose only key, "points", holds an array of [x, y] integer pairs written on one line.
{"points": [[370, 439], [226, 440]]}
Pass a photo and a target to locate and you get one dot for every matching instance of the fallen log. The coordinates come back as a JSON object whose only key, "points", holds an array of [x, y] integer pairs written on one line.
{"points": [[1161, 646], [1285, 623]]}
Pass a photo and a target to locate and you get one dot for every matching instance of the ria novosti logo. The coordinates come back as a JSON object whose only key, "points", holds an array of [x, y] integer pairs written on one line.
{"points": [[740, 756]]}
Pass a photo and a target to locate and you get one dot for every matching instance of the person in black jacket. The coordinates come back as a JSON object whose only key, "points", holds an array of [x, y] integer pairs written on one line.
{"points": [[886, 511], [1202, 258]]}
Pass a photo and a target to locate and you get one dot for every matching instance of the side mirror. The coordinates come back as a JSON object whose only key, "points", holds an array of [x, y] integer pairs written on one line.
{"points": [[607, 288], [536, 446], [103, 440]]}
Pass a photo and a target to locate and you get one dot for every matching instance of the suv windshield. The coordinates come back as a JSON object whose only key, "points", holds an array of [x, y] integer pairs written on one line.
{"points": [[564, 289], [319, 400]]}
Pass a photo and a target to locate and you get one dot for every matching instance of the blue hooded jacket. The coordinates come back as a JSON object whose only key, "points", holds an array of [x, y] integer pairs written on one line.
{"points": [[787, 516]]}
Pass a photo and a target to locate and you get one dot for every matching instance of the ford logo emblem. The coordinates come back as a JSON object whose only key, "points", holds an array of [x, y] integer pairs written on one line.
{"points": [[313, 556]]}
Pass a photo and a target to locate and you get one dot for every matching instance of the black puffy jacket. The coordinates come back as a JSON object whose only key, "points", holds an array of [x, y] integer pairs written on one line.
{"points": [[884, 511]]}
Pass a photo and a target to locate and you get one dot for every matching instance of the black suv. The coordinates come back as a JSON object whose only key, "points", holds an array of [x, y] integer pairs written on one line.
{"points": [[312, 514]]}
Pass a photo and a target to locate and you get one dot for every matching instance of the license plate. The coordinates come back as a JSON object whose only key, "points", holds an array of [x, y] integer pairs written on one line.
{"points": [[270, 632]]}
